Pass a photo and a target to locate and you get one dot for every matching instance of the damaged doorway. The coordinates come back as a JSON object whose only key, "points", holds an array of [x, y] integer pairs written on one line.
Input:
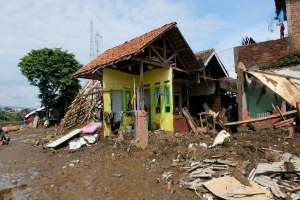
{"points": [[147, 101], [116, 109]]}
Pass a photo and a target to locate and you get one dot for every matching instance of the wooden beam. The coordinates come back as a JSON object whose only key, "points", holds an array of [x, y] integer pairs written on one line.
{"points": [[171, 57], [260, 119], [142, 85], [150, 62], [181, 70], [165, 49], [283, 123], [161, 49], [240, 87], [157, 54], [275, 74], [177, 56], [278, 110]]}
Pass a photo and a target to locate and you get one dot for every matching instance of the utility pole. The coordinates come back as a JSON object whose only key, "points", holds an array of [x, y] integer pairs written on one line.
{"points": [[98, 43], [92, 53]]}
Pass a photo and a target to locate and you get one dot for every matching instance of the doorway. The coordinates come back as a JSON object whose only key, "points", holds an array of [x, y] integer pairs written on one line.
{"points": [[147, 101], [116, 105]]}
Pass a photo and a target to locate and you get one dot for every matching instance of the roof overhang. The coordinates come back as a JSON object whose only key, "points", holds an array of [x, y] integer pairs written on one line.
{"points": [[214, 54], [109, 59]]}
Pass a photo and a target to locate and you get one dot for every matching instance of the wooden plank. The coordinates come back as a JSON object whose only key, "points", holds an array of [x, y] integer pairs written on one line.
{"points": [[190, 120], [64, 138], [142, 85], [283, 123], [260, 119], [278, 110], [153, 49], [240, 82], [279, 85], [150, 62], [171, 57], [276, 74], [181, 70], [223, 186]]}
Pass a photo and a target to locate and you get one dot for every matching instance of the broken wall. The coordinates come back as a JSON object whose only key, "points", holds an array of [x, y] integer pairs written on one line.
{"points": [[293, 8], [261, 53], [259, 99]]}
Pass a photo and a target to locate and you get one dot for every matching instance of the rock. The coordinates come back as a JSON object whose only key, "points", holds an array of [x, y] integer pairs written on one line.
{"points": [[273, 156], [14, 181]]}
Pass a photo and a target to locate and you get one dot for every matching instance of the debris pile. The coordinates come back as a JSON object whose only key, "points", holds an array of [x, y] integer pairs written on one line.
{"points": [[197, 173], [86, 107], [89, 136], [282, 178], [216, 177]]}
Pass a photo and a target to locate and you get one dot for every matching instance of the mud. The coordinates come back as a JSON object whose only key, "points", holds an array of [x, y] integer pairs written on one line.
{"points": [[102, 172]]}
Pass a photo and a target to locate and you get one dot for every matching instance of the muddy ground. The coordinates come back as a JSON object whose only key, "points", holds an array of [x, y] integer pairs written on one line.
{"points": [[102, 172]]}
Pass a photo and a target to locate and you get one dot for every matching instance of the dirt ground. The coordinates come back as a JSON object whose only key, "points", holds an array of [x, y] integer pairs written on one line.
{"points": [[102, 172]]}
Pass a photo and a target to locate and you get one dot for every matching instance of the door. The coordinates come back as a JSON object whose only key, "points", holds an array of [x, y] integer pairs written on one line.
{"points": [[147, 105], [116, 105]]}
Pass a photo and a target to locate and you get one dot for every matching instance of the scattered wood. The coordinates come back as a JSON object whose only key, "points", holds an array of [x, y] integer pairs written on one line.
{"points": [[64, 138], [260, 119], [278, 110], [82, 108], [190, 120], [229, 188], [284, 122]]}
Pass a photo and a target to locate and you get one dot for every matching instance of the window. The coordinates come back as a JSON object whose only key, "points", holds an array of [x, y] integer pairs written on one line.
{"points": [[167, 96], [128, 100], [157, 98]]}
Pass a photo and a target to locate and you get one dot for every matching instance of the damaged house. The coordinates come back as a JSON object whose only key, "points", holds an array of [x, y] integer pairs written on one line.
{"points": [[206, 89], [151, 73], [268, 73]]}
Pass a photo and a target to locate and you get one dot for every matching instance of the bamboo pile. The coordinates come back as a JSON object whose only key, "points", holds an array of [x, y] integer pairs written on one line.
{"points": [[87, 101]]}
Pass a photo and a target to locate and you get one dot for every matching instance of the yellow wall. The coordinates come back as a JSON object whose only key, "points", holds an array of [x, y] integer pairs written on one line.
{"points": [[164, 120], [116, 80]]}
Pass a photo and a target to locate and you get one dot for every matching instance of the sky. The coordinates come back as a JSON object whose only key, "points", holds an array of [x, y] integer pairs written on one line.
{"points": [[31, 24]]}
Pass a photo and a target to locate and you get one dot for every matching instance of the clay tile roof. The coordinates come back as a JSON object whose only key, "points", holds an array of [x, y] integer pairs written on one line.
{"points": [[124, 50], [204, 55]]}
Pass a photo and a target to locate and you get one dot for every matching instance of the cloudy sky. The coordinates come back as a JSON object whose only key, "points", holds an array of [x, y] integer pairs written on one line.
{"points": [[32, 24]]}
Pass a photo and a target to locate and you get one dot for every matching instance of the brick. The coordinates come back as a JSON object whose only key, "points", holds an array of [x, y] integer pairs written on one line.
{"points": [[261, 53]]}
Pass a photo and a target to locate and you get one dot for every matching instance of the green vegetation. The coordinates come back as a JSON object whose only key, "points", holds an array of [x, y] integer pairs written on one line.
{"points": [[51, 71], [284, 62], [10, 117]]}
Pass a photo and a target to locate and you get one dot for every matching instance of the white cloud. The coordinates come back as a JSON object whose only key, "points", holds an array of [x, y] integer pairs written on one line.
{"points": [[21, 96], [32, 24]]}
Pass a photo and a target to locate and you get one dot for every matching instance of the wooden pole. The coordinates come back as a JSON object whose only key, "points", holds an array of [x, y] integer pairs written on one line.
{"points": [[134, 103], [142, 85]]}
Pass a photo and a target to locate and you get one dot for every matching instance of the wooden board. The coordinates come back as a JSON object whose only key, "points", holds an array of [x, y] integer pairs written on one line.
{"points": [[190, 120], [283, 123], [221, 186], [64, 138], [260, 119], [280, 85]]}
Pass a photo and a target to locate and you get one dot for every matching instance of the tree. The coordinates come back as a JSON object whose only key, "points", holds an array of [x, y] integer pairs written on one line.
{"points": [[51, 71]]}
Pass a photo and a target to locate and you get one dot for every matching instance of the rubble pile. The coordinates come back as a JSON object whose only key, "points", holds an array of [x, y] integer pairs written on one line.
{"points": [[86, 105], [225, 178]]}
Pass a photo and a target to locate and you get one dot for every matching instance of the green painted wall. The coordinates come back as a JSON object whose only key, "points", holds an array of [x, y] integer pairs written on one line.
{"points": [[265, 101]]}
